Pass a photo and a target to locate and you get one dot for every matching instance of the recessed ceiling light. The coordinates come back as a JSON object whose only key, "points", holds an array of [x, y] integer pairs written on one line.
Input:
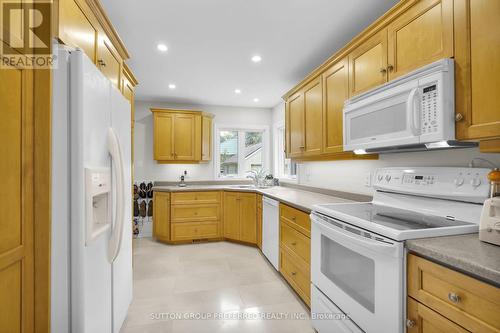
{"points": [[162, 47], [237, 91], [172, 86], [256, 58], [255, 99]]}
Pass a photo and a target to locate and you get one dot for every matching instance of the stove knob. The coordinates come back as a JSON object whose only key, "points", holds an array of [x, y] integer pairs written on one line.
{"points": [[459, 181], [475, 182], [387, 177], [380, 177]]}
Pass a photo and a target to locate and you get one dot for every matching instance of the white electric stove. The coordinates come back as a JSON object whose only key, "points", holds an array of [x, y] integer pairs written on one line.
{"points": [[357, 249]]}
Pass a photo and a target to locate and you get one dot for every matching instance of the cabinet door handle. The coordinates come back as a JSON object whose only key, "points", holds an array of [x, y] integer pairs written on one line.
{"points": [[294, 273], [454, 298], [459, 117], [383, 70], [101, 63], [410, 323], [294, 243], [390, 68], [294, 218]]}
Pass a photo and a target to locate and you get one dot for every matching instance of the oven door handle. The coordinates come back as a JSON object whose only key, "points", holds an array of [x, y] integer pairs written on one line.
{"points": [[334, 232]]}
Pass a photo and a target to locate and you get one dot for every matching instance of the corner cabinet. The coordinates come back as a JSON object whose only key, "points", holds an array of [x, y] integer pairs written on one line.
{"points": [[240, 216], [181, 136]]}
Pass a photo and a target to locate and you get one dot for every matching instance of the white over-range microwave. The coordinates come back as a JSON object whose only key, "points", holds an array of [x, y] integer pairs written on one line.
{"points": [[413, 112]]}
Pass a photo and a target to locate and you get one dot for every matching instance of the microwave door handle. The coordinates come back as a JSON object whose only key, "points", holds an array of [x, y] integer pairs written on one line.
{"points": [[413, 106]]}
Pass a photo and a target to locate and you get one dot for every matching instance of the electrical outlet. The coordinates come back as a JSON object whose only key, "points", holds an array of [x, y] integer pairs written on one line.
{"points": [[368, 179]]}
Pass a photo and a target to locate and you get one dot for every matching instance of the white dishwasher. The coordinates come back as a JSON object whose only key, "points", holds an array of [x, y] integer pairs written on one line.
{"points": [[271, 230]]}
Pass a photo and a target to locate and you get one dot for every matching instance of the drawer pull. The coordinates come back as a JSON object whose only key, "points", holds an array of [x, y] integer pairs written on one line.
{"points": [[410, 323], [294, 218], [454, 298], [196, 213], [294, 243], [294, 273]]}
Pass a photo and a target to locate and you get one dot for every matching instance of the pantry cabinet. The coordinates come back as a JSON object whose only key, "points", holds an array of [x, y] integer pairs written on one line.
{"points": [[477, 74], [240, 216], [180, 136]]}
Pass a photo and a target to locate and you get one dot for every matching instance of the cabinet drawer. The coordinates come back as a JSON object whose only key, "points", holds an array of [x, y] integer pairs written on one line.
{"points": [[194, 230], [298, 276], [195, 197], [191, 213], [424, 320], [472, 304], [297, 218], [295, 241]]}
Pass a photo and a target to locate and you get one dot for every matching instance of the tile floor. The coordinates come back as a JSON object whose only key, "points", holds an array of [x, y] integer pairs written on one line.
{"points": [[223, 280]]}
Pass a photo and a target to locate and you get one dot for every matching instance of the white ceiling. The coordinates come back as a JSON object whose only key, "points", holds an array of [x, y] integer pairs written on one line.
{"points": [[210, 43]]}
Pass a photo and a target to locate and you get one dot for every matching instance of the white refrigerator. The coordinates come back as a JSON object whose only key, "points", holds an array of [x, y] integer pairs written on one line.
{"points": [[91, 271]]}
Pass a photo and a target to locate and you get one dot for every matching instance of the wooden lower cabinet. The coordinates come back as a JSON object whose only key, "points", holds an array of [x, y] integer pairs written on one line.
{"points": [[297, 274], [295, 250], [240, 216], [259, 221], [421, 319], [161, 216], [194, 230], [467, 302], [187, 216]]}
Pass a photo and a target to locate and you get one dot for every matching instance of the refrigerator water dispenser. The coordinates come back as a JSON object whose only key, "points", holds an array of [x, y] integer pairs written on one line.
{"points": [[97, 202]]}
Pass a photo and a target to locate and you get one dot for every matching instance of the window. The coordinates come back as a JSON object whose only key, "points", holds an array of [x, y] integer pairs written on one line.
{"points": [[240, 151], [285, 167]]}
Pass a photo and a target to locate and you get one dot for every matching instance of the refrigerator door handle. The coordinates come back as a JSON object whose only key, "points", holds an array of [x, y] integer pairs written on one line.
{"points": [[117, 232]]}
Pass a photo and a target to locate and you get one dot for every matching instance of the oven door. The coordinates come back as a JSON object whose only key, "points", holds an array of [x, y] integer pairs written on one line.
{"points": [[361, 272], [386, 118]]}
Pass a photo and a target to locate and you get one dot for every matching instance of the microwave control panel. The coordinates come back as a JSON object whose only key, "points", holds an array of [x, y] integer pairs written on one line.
{"points": [[429, 106]]}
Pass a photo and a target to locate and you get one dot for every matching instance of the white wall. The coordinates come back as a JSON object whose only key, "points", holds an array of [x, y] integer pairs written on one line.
{"points": [[349, 176], [146, 167]]}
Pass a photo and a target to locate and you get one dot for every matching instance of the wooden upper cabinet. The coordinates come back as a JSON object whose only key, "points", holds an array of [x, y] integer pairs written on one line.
{"points": [[206, 138], [313, 114], [187, 138], [177, 136], [76, 29], [336, 92], [107, 61], [421, 35], [368, 64], [294, 114], [248, 217], [163, 129], [477, 68], [231, 215]]}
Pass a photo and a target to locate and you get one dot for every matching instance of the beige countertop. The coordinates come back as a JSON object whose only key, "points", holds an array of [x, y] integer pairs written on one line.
{"points": [[298, 198]]}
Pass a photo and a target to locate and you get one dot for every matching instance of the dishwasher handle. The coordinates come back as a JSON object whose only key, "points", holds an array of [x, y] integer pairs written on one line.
{"points": [[270, 201]]}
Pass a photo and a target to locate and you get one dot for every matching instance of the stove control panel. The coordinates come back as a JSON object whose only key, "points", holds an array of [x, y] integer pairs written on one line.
{"points": [[462, 184]]}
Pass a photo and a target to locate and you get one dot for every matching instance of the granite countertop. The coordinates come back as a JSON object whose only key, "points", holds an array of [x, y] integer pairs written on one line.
{"points": [[298, 198], [465, 253]]}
